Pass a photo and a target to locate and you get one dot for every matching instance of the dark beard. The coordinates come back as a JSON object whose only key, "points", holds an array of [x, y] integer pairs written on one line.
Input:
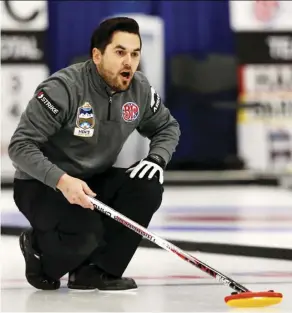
{"points": [[112, 83], [108, 80]]}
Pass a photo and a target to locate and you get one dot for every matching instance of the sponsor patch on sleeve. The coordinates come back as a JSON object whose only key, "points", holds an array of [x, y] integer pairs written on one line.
{"points": [[46, 101], [155, 100]]}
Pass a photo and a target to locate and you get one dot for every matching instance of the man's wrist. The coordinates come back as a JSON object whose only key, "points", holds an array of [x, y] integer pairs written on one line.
{"points": [[61, 181], [157, 159]]}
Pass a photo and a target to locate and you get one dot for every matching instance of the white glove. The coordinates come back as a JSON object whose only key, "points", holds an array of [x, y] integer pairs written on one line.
{"points": [[148, 168]]}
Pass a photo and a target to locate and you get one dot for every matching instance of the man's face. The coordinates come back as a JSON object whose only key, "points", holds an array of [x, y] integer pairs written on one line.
{"points": [[120, 60]]}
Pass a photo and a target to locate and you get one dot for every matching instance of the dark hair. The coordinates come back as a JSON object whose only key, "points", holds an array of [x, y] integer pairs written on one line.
{"points": [[102, 36]]}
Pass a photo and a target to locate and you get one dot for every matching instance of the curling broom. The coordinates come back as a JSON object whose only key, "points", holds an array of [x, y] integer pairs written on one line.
{"points": [[241, 298]]}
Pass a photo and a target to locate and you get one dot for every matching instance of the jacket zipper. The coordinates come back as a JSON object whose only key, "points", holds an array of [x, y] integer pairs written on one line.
{"points": [[109, 108]]}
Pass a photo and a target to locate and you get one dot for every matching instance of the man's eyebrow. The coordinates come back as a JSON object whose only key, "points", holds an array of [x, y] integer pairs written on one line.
{"points": [[123, 48]]}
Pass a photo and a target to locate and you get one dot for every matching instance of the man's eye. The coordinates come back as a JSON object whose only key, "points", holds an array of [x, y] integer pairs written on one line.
{"points": [[120, 52], [135, 54]]}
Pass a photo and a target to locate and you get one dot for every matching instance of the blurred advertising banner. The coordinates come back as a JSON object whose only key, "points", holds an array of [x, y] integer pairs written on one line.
{"points": [[267, 47], [260, 15], [23, 28], [265, 82], [263, 37]]}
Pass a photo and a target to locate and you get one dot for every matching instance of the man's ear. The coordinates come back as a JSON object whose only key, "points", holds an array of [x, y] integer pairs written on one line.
{"points": [[96, 56]]}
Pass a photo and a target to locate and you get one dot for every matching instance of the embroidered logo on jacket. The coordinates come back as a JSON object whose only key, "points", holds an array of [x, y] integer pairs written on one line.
{"points": [[85, 121], [130, 111]]}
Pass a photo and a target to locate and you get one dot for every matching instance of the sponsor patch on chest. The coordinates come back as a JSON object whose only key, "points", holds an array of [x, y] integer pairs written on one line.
{"points": [[130, 111]]}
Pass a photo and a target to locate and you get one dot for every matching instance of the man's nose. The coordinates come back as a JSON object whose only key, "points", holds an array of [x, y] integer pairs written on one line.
{"points": [[127, 60]]}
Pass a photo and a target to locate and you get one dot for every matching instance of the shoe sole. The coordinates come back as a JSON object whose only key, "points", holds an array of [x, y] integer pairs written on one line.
{"points": [[25, 256], [22, 248], [129, 291], [80, 288], [45, 287], [21, 244]]}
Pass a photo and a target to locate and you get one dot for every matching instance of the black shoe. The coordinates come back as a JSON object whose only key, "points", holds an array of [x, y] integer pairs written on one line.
{"points": [[90, 277], [33, 270]]}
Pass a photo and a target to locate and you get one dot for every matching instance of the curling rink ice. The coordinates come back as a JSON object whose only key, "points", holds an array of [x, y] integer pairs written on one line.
{"points": [[239, 215]]}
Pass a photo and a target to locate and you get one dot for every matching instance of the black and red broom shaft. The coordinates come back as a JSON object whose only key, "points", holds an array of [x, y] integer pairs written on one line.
{"points": [[101, 207]]}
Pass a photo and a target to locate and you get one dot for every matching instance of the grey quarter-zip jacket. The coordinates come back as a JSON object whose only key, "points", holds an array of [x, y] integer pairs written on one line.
{"points": [[74, 124]]}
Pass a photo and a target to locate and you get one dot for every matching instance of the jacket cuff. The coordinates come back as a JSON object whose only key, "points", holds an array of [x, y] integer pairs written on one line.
{"points": [[53, 176], [161, 152]]}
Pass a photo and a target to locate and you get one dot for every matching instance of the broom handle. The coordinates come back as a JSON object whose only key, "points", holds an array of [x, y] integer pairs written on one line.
{"points": [[101, 207]]}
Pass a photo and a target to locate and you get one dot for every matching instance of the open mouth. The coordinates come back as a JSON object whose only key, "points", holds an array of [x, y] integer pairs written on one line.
{"points": [[126, 74]]}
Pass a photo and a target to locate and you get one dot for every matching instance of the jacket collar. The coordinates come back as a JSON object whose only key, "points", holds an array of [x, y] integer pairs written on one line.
{"points": [[98, 82]]}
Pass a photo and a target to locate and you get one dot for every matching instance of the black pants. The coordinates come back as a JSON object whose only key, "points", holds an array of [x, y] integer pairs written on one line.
{"points": [[68, 235]]}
